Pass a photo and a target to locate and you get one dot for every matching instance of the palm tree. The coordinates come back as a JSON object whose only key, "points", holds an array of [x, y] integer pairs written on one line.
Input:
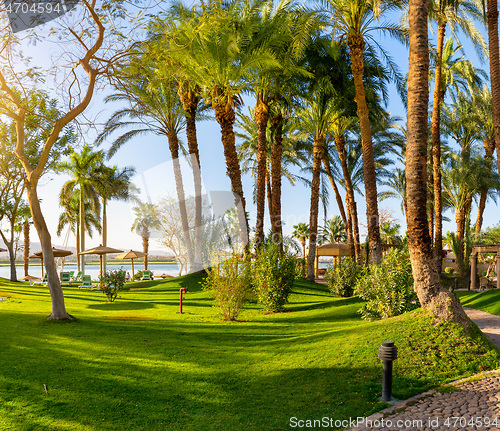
{"points": [[220, 59], [155, 107], [83, 167], [389, 233], [301, 232], [71, 217], [332, 231], [455, 72], [431, 294], [352, 20], [147, 216], [397, 183], [113, 184]]}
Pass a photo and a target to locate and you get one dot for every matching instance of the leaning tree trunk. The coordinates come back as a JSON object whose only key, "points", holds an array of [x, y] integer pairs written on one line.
{"points": [[56, 293], [10, 248], [226, 118], [190, 100], [431, 294], [356, 46], [269, 196], [489, 147], [318, 151], [350, 201], [492, 20], [436, 152], [338, 198], [276, 155], [26, 232], [173, 143], [261, 118]]}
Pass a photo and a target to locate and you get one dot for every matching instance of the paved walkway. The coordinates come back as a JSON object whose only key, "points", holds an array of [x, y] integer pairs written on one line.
{"points": [[473, 405]]}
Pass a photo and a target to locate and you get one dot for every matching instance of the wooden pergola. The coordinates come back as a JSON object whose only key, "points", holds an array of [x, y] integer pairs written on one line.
{"points": [[494, 248], [334, 249]]}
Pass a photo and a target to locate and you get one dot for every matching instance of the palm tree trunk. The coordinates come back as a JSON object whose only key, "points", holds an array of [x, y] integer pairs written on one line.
{"points": [[262, 118], [276, 154], [269, 196], [489, 147], [225, 117], [78, 248], [431, 294], [190, 100], [436, 151], [318, 151], [338, 198], [356, 46], [461, 217], [104, 232], [145, 245], [492, 20], [173, 143], [82, 229], [26, 232], [56, 293], [350, 200]]}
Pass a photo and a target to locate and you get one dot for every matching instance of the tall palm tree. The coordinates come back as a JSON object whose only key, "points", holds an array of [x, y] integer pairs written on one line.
{"points": [[301, 232], [353, 20], [71, 217], [147, 216], [155, 107], [220, 59], [442, 304], [450, 71]]}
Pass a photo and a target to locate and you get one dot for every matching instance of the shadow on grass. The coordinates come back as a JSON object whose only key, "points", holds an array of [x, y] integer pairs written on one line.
{"points": [[121, 306]]}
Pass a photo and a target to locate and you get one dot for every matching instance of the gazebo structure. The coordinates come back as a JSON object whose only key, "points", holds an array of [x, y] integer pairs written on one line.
{"points": [[494, 248], [334, 249]]}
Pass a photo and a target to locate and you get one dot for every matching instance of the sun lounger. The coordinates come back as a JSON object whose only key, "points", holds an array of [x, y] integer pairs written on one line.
{"points": [[146, 275], [43, 282], [66, 278], [87, 282], [78, 276]]}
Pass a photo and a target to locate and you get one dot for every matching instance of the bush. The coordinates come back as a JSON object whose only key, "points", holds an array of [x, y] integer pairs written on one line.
{"points": [[449, 270], [230, 282], [111, 283], [273, 275], [300, 267], [342, 278], [388, 288]]}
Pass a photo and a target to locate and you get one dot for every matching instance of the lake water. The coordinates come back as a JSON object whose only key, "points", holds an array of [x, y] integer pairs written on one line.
{"points": [[93, 269]]}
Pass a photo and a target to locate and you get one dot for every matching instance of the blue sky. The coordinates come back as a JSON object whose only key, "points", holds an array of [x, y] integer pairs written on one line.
{"points": [[150, 156]]}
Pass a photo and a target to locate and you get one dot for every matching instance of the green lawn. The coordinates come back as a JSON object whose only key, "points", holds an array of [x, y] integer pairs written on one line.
{"points": [[138, 365], [488, 301]]}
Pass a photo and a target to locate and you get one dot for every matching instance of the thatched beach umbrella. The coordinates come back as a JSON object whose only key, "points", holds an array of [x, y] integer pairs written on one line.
{"points": [[57, 253], [101, 250], [131, 255]]}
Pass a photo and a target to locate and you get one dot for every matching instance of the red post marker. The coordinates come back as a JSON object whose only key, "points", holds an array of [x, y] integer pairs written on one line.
{"points": [[181, 291]]}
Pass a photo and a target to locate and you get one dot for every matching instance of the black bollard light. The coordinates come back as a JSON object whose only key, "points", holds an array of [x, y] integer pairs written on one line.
{"points": [[387, 353]]}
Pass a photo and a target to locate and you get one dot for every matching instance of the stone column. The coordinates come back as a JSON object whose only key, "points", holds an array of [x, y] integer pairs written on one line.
{"points": [[473, 270]]}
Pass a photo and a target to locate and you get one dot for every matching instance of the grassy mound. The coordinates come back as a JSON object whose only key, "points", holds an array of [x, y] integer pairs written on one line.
{"points": [[137, 364]]}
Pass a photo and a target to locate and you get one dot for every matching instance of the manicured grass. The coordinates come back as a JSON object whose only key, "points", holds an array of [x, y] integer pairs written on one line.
{"points": [[138, 365], [488, 301]]}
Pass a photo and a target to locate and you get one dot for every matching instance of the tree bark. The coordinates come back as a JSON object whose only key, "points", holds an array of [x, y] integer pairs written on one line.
{"points": [[173, 143], [276, 155], [56, 293], [318, 152], [104, 232], [338, 198], [441, 303], [356, 46], [492, 21], [145, 245], [436, 151], [350, 200], [226, 118], [269, 196], [190, 99], [261, 118], [82, 229], [489, 147]]}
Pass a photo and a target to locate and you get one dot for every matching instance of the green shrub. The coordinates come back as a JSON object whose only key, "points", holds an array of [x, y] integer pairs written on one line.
{"points": [[388, 288], [111, 283], [273, 275], [449, 270], [342, 278], [300, 268], [230, 282]]}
